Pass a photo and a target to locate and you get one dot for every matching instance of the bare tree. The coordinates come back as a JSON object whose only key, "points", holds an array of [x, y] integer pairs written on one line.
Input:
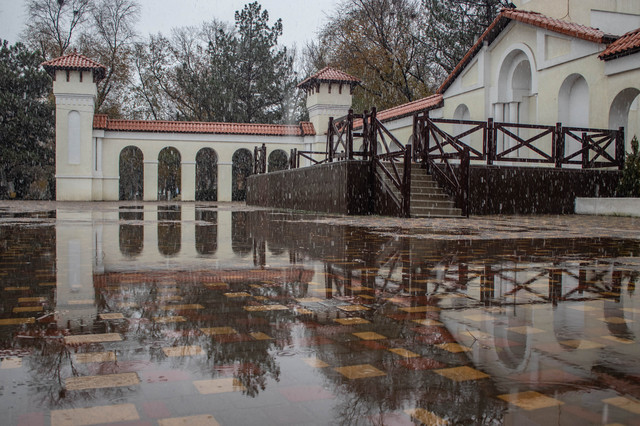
{"points": [[53, 24]]}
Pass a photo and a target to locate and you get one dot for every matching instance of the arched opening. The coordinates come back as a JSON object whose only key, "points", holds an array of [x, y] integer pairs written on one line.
{"points": [[624, 112], [516, 100], [169, 230], [242, 164], [169, 174], [573, 108], [206, 231], [206, 175], [131, 173], [278, 161]]}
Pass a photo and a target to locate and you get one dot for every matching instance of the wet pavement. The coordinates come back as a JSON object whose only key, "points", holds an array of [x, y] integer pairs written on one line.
{"points": [[219, 313]]}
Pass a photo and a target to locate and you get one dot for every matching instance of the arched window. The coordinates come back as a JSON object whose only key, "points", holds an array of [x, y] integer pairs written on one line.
{"points": [[461, 113], [624, 112], [278, 161], [242, 164], [131, 171], [573, 108], [206, 175], [169, 174]]}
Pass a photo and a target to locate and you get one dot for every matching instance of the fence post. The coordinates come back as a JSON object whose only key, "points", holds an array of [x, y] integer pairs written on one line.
{"points": [[255, 160], [292, 158], [620, 148], [330, 139], [585, 151], [490, 142], [373, 130], [465, 181], [558, 149], [350, 135], [426, 141], [406, 183], [264, 159], [365, 136]]}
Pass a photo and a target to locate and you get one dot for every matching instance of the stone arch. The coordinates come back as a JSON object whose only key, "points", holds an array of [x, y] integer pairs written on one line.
{"points": [[169, 173], [131, 173], [206, 175], [242, 164], [623, 112], [278, 161], [573, 107]]}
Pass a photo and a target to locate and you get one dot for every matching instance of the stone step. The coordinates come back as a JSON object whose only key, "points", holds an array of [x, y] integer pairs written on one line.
{"points": [[436, 212], [432, 203]]}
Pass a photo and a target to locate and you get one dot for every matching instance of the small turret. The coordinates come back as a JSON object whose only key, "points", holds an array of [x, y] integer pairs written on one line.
{"points": [[78, 173], [329, 94]]}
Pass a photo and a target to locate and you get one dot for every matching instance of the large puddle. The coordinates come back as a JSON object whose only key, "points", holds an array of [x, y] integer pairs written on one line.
{"points": [[221, 314]]}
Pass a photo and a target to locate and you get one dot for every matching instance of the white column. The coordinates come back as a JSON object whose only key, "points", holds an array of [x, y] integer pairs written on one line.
{"points": [[224, 181], [188, 184]]}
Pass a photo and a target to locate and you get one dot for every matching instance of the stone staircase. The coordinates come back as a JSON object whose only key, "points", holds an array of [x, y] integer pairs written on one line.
{"points": [[427, 198]]}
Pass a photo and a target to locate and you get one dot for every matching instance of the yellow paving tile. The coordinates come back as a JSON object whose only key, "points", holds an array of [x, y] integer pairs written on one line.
{"points": [[261, 298], [302, 311], [530, 400], [582, 344], [103, 381], [112, 316], [200, 420], [258, 335], [315, 362], [186, 307], [17, 321], [309, 300], [215, 331], [624, 403], [525, 330], [365, 296], [92, 338], [10, 363], [351, 321], [454, 347], [217, 285], [19, 309], [414, 309], [192, 350], [427, 322], [584, 308], [94, 415], [360, 288], [14, 288], [634, 310], [618, 339], [88, 357], [353, 308], [32, 299], [125, 305], [81, 302], [263, 308], [461, 374], [404, 352], [479, 317], [169, 319], [369, 335], [238, 294], [49, 284], [426, 417], [359, 371], [224, 385], [616, 320]]}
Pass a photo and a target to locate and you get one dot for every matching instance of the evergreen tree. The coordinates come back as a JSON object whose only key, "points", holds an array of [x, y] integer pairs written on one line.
{"points": [[26, 125], [629, 185]]}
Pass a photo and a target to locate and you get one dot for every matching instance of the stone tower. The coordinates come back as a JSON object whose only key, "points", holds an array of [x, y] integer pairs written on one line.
{"points": [[78, 166], [329, 94]]}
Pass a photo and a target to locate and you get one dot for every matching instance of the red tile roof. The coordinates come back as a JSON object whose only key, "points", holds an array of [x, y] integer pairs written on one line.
{"points": [[626, 45], [75, 61], [101, 122], [394, 113], [329, 75], [531, 18]]}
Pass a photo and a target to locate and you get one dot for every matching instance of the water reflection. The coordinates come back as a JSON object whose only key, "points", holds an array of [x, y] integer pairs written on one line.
{"points": [[311, 321]]}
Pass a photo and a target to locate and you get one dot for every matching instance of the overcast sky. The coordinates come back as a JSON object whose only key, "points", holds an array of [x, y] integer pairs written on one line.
{"points": [[301, 18]]}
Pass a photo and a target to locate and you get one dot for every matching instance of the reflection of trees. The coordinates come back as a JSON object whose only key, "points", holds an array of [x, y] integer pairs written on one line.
{"points": [[131, 235], [131, 173], [241, 242], [206, 231], [169, 230]]}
